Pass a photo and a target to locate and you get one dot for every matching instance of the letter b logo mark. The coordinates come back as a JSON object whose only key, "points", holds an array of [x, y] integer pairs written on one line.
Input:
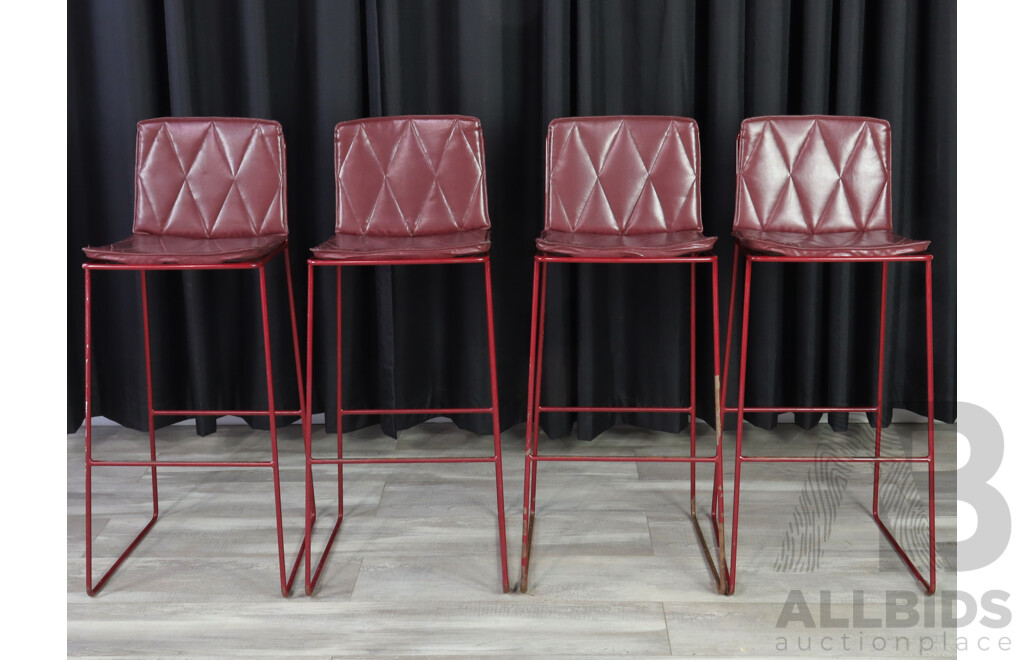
{"points": [[985, 438]]}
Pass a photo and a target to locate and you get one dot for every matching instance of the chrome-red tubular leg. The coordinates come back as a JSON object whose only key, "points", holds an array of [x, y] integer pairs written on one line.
{"points": [[287, 579], [728, 346], [300, 385], [533, 455], [300, 388], [149, 390], [930, 348], [88, 434], [295, 329], [287, 576], [929, 583], [728, 327], [742, 380], [528, 467], [313, 574], [718, 498], [272, 412], [275, 462], [339, 389], [496, 421], [535, 431], [720, 572], [91, 587], [876, 459], [149, 386], [881, 389], [693, 435], [693, 390], [307, 435], [536, 386]]}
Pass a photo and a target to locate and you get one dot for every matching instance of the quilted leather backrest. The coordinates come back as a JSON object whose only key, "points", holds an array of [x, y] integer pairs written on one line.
{"points": [[623, 175], [813, 174], [410, 176], [210, 177]]}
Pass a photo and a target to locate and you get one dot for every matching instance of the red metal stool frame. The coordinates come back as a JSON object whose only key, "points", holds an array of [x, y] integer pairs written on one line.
{"points": [[188, 256], [624, 248], [872, 242], [377, 246]]}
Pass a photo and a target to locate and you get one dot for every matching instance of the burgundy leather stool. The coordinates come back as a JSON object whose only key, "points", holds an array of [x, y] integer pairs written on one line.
{"points": [[818, 189], [622, 190], [411, 191], [210, 194]]}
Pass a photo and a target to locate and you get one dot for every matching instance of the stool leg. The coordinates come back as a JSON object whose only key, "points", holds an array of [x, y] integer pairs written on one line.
{"points": [[536, 387], [295, 333], [92, 588], [929, 583], [532, 417], [527, 522], [739, 422], [300, 388], [930, 347], [286, 580], [718, 495], [149, 387], [718, 571], [526, 480], [88, 434], [693, 389], [307, 431], [313, 574], [881, 390], [338, 388], [499, 485], [725, 364]]}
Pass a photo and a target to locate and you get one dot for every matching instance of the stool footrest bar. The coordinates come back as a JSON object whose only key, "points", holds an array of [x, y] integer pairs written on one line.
{"points": [[250, 464], [636, 409], [835, 459], [219, 413], [630, 459], [417, 411], [791, 409], [385, 461]]}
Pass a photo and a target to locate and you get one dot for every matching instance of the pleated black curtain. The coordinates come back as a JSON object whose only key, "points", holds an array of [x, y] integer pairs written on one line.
{"points": [[416, 337]]}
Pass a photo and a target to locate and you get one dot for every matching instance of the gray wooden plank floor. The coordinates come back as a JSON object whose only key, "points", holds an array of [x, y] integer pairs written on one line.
{"points": [[616, 567]]}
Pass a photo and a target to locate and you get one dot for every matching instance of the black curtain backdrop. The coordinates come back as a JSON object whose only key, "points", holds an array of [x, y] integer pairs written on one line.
{"points": [[416, 336]]}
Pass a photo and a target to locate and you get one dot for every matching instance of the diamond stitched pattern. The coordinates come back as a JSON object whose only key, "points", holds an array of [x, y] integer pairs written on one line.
{"points": [[624, 176], [812, 175], [410, 177], [210, 179]]}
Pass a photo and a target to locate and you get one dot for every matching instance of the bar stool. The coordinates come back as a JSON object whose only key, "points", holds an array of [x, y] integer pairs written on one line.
{"points": [[622, 190], [410, 191], [818, 189], [210, 194]]}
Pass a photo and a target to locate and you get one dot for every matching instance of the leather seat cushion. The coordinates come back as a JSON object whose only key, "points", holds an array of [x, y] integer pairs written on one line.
{"points": [[428, 246], [141, 249], [876, 243], [656, 245]]}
